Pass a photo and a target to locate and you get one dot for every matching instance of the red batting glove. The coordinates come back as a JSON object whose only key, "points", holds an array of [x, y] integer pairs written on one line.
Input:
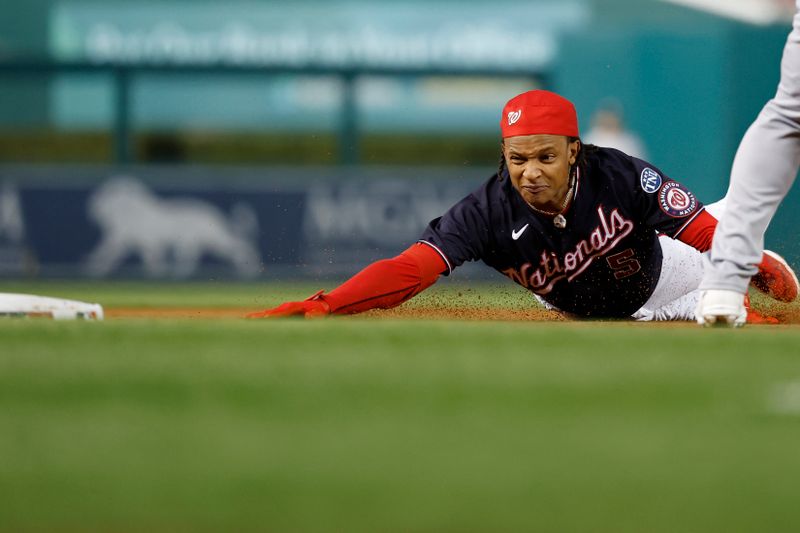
{"points": [[311, 307]]}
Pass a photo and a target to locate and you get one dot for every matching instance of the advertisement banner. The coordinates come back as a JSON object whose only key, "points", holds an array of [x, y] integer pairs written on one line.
{"points": [[194, 223], [358, 33]]}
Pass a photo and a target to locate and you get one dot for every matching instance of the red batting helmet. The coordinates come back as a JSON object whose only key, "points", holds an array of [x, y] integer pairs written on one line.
{"points": [[539, 112]]}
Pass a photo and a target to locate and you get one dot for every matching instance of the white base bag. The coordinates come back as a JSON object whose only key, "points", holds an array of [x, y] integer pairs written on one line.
{"points": [[22, 305]]}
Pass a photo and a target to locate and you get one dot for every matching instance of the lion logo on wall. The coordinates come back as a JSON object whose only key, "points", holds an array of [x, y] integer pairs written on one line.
{"points": [[170, 236]]}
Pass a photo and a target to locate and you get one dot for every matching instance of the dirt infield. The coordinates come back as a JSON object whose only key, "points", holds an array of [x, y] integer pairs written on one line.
{"points": [[176, 312], [785, 314], [440, 313]]}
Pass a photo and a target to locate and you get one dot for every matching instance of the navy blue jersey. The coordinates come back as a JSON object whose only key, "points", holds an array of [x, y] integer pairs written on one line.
{"points": [[604, 263]]}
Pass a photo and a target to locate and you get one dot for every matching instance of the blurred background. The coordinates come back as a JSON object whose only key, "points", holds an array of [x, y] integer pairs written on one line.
{"points": [[261, 139]]}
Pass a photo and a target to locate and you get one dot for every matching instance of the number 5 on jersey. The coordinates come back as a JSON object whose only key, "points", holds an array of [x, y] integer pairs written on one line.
{"points": [[624, 264]]}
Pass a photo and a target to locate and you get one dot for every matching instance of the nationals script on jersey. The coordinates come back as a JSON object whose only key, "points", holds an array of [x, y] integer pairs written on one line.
{"points": [[608, 247]]}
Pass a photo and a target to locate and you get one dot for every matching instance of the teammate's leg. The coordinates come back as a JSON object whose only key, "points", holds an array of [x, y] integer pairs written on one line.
{"points": [[717, 209], [763, 171]]}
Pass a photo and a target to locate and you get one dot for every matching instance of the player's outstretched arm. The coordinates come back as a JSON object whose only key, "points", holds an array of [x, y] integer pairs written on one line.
{"points": [[381, 285]]}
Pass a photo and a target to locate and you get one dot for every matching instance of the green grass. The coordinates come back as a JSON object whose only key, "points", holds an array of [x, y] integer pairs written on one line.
{"points": [[391, 425]]}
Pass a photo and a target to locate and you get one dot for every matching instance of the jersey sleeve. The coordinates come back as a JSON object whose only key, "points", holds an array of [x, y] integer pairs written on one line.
{"points": [[461, 234], [386, 283], [664, 204]]}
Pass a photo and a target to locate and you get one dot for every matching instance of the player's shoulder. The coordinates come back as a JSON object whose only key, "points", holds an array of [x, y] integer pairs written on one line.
{"points": [[618, 167], [611, 159], [480, 202], [490, 203]]}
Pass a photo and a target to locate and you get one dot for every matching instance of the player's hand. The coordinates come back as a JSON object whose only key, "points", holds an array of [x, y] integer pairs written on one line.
{"points": [[314, 306]]}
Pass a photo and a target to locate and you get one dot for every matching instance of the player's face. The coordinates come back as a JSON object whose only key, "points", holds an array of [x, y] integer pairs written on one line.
{"points": [[539, 168]]}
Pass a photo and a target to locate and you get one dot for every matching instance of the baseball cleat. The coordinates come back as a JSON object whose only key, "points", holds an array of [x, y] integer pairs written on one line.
{"points": [[775, 278], [718, 307], [755, 317]]}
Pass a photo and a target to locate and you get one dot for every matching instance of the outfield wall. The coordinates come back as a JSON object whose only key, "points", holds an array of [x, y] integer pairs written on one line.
{"points": [[196, 223], [184, 222]]}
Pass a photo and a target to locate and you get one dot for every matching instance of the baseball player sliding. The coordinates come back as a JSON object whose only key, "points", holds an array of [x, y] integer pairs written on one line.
{"points": [[591, 231], [763, 171]]}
